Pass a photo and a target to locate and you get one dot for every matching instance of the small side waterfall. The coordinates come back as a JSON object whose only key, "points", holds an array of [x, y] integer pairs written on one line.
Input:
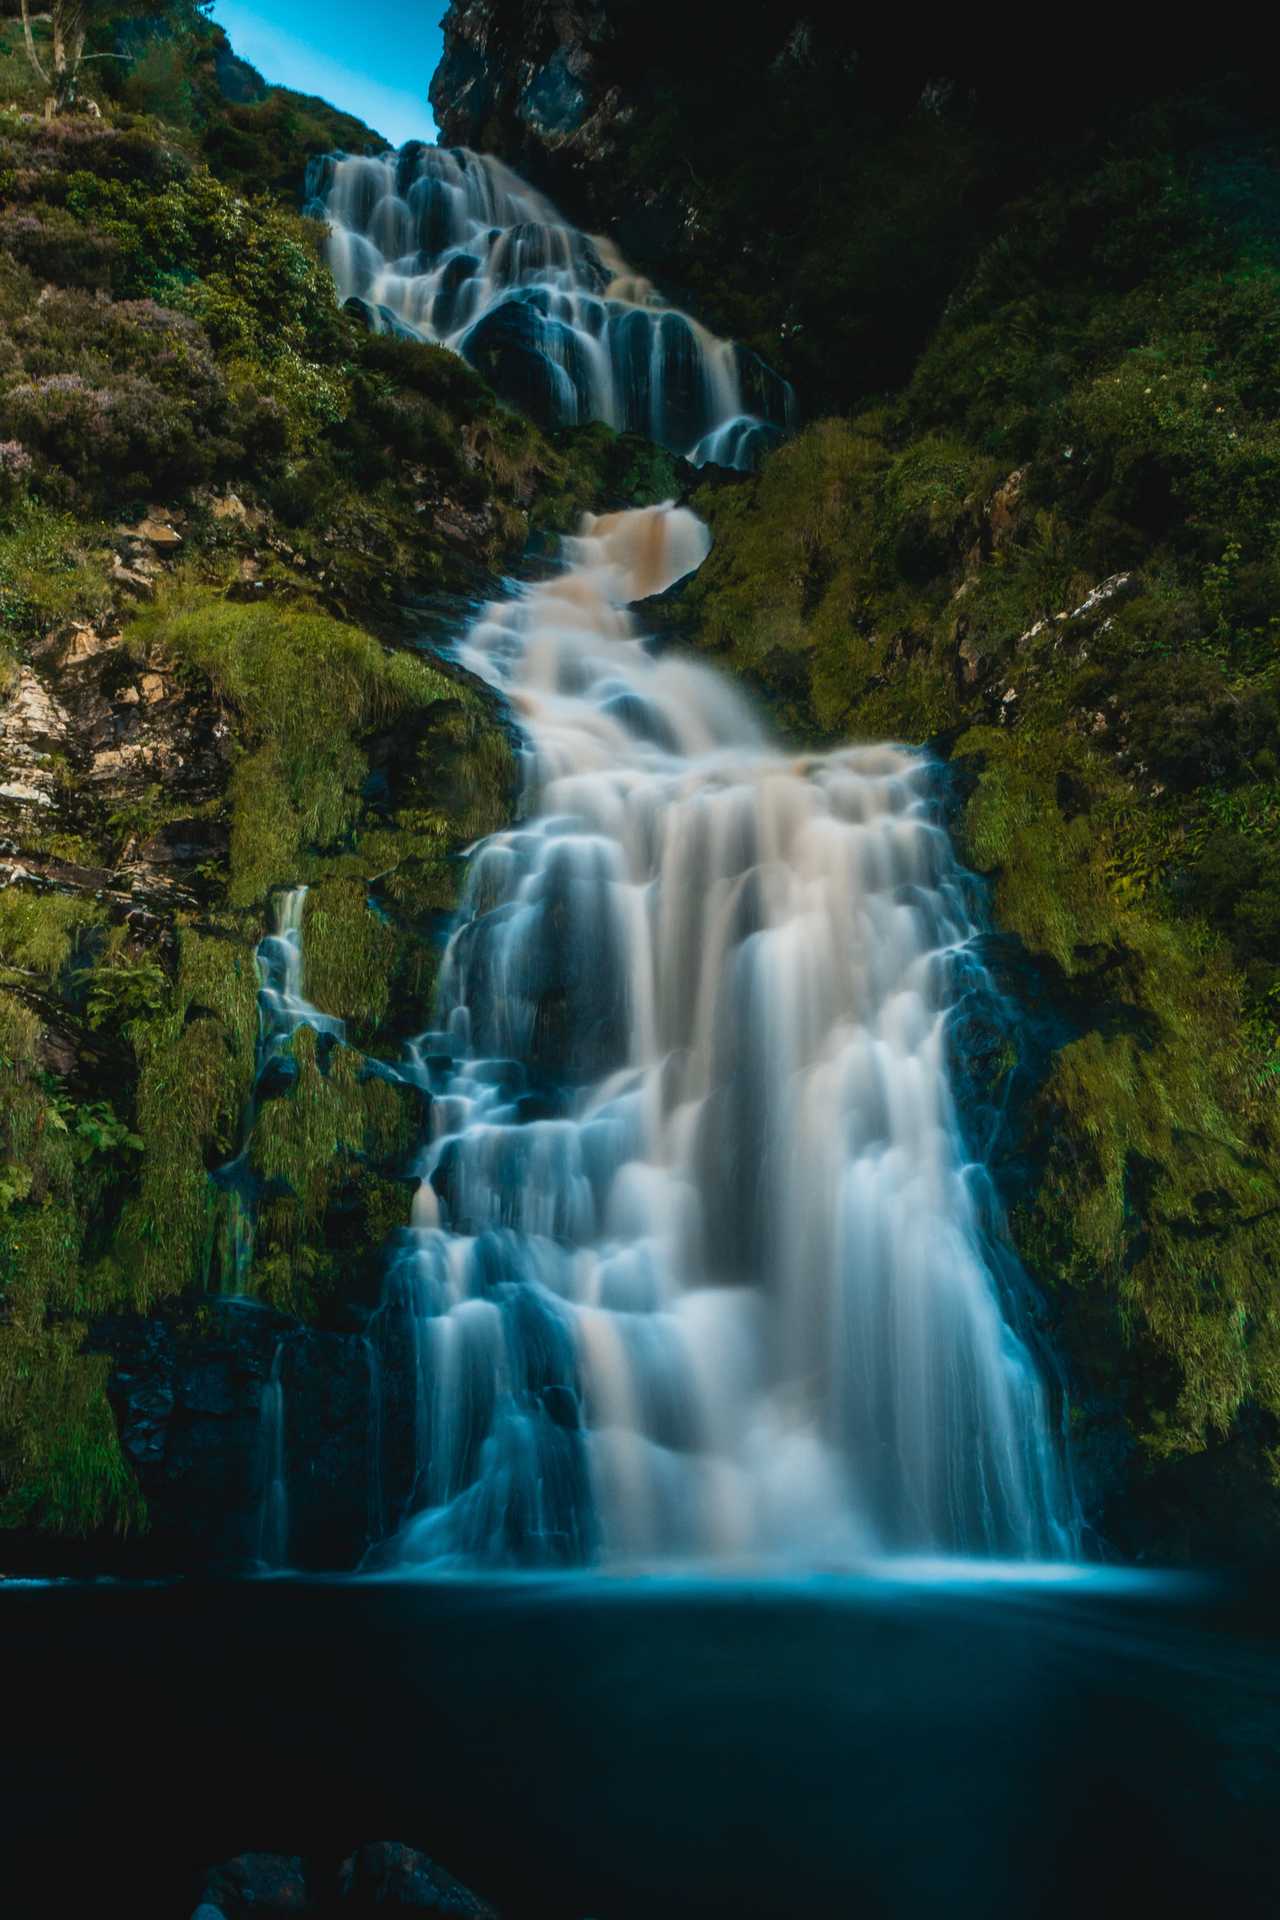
{"points": [[697, 1265], [273, 1499], [282, 1009], [451, 246]]}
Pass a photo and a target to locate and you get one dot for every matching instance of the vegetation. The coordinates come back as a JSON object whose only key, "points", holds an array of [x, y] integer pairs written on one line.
{"points": [[1093, 416]]}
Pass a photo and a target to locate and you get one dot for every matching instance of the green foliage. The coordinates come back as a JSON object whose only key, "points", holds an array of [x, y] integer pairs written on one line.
{"points": [[348, 953], [305, 689], [195, 1059], [600, 471], [60, 1460], [96, 1128], [165, 336], [51, 569], [317, 1150], [39, 932], [1160, 1184], [116, 994]]}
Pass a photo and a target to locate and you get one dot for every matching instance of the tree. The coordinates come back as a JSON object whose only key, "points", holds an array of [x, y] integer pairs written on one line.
{"points": [[70, 24]]}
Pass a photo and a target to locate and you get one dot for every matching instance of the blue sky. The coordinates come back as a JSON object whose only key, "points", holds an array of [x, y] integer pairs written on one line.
{"points": [[374, 59]]}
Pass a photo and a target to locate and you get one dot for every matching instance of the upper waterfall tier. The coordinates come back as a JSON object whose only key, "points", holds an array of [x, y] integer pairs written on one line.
{"points": [[698, 1263], [453, 247]]}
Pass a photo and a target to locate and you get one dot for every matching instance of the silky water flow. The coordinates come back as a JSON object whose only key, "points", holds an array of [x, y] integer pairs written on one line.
{"points": [[699, 1266], [453, 247]]}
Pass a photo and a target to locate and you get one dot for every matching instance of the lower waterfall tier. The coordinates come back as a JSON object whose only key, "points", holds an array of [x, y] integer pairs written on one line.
{"points": [[698, 1266]]}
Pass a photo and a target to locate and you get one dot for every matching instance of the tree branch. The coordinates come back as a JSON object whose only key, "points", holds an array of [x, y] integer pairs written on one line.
{"points": [[30, 39]]}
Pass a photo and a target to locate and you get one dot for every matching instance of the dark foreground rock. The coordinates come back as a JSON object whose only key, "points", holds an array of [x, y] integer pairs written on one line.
{"points": [[386, 1873], [383, 1874], [256, 1883]]}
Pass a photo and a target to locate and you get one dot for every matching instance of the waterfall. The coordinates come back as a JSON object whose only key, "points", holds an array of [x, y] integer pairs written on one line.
{"points": [[273, 1499], [282, 1009], [282, 1005], [451, 246], [697, 1263]]}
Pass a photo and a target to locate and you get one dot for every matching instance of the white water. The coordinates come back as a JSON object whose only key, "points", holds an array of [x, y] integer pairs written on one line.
{"points": [[282, 1005], [282, 1009], [273, 1502], [697, 1264], [453, 247]]}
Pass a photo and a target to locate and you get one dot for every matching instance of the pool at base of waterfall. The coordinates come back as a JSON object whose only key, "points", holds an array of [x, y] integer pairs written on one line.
{"points": [[991, 1743]]}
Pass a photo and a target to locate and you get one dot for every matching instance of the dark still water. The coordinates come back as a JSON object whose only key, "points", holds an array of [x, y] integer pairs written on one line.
{"points": [[623, 1750]]}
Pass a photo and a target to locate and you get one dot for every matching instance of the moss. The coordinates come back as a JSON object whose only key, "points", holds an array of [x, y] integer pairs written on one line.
{"points": [[331, 1111], [348, 954], [1117, 774], [195, 1070], [266, 828], [1159, 1188], [60, 1461], [160, 329], [40, 932], [305, 689], [594, 469], [61, 1466], [317, 1149], [385, 1206]]}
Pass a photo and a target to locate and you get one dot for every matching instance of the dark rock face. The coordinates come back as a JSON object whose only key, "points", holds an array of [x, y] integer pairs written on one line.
{"points": [[255, 1883], [536, 65], [516, 347], [386, 1873], [187, 1390], [381, 1875]]}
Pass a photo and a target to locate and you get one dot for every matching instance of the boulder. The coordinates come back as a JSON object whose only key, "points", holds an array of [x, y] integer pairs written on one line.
{"points": [[386, 1873], [159, 534], [258, 1883]]}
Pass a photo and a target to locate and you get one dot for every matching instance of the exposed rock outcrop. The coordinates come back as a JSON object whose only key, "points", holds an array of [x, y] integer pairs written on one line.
{"points": [[379, 1876]]}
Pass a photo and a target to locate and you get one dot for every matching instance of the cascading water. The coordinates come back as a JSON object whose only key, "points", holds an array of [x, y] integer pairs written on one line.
{"points": [[282, 1005], [697, 1266], [282, 1009], [453, 247], [273, 1497]]}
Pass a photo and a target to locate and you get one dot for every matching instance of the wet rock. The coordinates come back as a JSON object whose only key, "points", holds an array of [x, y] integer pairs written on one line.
{"points": [[385, 1873], [547, 83], [186, 1389], [520, 351], [24, 793], [185, 843], [86, 731], [973, 661], [258, 1883]]}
